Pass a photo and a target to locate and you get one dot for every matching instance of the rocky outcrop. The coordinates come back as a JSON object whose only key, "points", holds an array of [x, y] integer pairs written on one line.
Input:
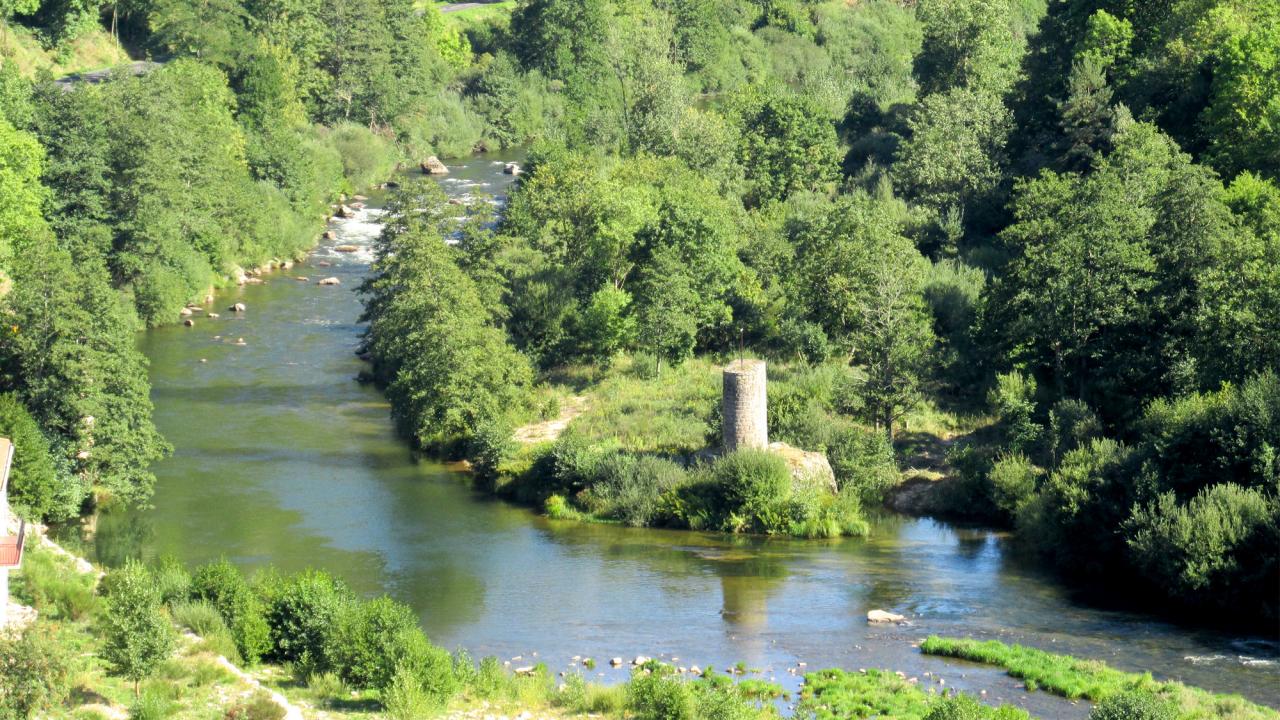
{"points": [[806, 466], [433, 166]]}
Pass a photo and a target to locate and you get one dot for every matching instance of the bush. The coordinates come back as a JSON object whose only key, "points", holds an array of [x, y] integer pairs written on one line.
{"points": [[405, 698], [631, 487], [1013, 400], [36, 668], [372, 640], [172, 580], [259, 706], [862, 460], [153, 704], [1217, 551], [754, 486], [1133, 705], [300, 613], [367, 158], [1013, 483], [199, 616], [655, 693], [490, 678], [222, 585]]}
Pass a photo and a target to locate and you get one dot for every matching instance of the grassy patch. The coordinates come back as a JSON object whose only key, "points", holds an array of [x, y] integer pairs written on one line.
{"points": [[95, 50], [667, 412], [832, 694], [1093, 680]]}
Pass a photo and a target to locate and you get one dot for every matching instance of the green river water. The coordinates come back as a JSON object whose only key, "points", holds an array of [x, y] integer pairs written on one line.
{"points": [[282, 459]]}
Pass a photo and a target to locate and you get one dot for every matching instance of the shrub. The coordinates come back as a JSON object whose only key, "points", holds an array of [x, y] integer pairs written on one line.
{"points": [[371, 640], [152, 705], [222, 585], [1133, 705], [199, 616], [862, 460], [754, 485], [490, 678], [299, 614], [405, 698], [367, 158], [1013, 483], [172, 580], [632, 485], [1217, 551], [655, 693], [258, 706], [36, 668], [1013, 399]]}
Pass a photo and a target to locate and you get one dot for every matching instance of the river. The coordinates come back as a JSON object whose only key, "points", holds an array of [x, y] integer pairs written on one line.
{"points": [[282, 459]]}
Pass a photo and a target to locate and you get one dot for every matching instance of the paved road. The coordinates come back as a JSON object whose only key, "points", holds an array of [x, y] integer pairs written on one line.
{"points": [[455, 7], [97, 76]]}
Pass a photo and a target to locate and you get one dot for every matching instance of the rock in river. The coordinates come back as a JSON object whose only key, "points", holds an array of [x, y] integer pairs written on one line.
{"points": [[238, 307], [880, 616], [330, 281], [347, 248], [433, 166]]}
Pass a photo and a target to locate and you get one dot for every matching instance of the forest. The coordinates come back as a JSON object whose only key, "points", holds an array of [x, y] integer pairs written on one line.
{"points": [[1062, 216]]}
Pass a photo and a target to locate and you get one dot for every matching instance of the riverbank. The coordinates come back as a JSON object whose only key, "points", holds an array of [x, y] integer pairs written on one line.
{"points": [[60, 659]]}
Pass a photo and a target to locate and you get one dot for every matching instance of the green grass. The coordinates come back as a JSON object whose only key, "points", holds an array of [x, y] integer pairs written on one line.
{"points": [[836, 694], [666, 412], [95, 50], [1075, 678]]}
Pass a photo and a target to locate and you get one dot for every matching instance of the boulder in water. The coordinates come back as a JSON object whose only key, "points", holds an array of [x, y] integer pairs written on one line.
{"points": [[879, 617], [238, 307], [433, 166], [512, 169], [302, 278], [330, 235], [184, 312], [347, 248], [189, 322], [330, 281], [344, 211]]}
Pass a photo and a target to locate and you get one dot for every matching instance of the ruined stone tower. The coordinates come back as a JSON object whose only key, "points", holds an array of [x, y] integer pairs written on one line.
{"points": [[744, 406]]}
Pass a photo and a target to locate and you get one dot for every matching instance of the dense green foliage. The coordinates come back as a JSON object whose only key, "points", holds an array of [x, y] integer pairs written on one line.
{"points": [[1069, 208]]}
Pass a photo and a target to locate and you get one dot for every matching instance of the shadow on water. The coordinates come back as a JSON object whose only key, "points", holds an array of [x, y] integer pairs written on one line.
{"points": [[282, 459]]}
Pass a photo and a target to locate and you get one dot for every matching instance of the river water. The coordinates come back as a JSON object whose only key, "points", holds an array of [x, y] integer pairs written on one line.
{"points": [[282, 459]]}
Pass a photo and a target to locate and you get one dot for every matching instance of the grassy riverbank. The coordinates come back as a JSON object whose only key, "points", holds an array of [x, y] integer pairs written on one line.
{"points": [[1075, 678]]}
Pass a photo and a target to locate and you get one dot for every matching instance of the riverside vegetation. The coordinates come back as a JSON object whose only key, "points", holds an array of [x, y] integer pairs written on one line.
{"points": [[152, 639], [1035, 241], [964, 214]]}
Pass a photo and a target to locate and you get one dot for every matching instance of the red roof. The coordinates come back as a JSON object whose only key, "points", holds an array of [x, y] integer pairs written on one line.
{"points": [[11, 548]]}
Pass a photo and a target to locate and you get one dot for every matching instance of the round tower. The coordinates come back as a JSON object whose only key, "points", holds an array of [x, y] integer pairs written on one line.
{"points": [[745, 406]]}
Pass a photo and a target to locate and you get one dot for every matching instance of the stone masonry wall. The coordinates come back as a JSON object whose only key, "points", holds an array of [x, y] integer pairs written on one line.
{"points": [[745, 406]]}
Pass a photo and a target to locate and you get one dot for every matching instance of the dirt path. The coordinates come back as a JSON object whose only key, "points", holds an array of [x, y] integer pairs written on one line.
{"points": [[549, 430]]}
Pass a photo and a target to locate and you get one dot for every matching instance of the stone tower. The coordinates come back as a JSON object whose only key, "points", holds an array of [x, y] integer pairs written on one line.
{"points": [[744, 406]]}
